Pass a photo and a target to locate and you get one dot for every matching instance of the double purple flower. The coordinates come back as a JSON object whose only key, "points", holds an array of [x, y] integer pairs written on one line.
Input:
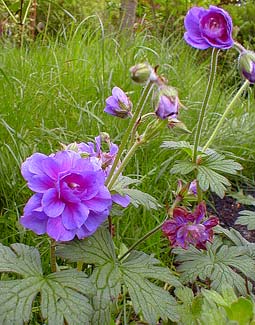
{"points": [[70, 197], [187, 228], [208, 28]]}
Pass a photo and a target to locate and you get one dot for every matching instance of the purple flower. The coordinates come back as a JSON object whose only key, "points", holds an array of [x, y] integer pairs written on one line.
{"points": [[103, 160], [118, 104], [193, 187], [247, 65], [208, 28], [70, 197], [187, 228], [168, 103]]}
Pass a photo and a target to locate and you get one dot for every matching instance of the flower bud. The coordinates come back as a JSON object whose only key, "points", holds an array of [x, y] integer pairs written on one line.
{"points": [[142, 72], [118, 104], [247, 65], [167, 104]]}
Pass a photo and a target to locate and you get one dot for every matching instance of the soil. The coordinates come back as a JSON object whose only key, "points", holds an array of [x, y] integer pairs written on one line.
{"points": [[227, 210]]}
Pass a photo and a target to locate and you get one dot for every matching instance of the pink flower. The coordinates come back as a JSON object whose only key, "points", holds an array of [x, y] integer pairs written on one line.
{"points": [[187, 228]]}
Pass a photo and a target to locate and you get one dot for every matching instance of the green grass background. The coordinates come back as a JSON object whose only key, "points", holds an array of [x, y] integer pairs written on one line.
{"points": [[54, 92]]}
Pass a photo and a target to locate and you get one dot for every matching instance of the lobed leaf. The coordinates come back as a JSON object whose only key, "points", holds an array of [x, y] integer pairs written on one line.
{"points": [[247, 218], [138, 197], [217, 264], [134, 272], [183, 167], [64, 295]]}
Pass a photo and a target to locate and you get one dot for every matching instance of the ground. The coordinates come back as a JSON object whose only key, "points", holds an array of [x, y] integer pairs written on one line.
{"points": [[227, 210]]}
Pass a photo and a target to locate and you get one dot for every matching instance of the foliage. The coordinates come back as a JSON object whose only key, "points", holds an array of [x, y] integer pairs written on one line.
{"points": [[133, 272], [64, 295], [216, 265]]}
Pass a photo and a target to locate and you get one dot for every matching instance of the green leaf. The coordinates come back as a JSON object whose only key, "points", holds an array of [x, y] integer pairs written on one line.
{"points": [[183, 167], [247, 218], [20, 259], [64, 295], [242, 198], [148, 298], [140, 198], [208, 178], [186, 146], [217, 263], [218, 162], [240, 311], [134, 272], [137, 197]]}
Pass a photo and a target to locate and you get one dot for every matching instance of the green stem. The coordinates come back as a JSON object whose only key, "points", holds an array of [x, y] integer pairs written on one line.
{"points": [[205, 102], [123, 164], [154, 230], [53, 262], [222, 119], [239, 47], [79, 266], [124, 141]]}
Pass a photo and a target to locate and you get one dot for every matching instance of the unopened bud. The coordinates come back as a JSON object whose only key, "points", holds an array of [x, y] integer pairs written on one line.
{"points": [[167, 102], [143, 72], [247, 65]]}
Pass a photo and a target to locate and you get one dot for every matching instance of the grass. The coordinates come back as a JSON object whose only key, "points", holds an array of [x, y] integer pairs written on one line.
{"points": [[55, 92]]}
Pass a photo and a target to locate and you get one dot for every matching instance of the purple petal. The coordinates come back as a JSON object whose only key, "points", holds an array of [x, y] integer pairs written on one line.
{"points": [[57, 231], [32, 166], [121, 200], [199, 212], [101, 201], [40, 183], [52, 205], [74, 215]]}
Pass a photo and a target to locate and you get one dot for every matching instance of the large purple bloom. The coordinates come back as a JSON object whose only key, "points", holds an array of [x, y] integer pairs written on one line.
{"points": [[187, 228], [118, 104], [70, 197], [208, 28]]}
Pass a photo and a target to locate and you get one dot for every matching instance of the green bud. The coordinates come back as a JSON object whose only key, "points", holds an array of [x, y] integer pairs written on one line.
{"points": [[142, 72], [247, 65]]}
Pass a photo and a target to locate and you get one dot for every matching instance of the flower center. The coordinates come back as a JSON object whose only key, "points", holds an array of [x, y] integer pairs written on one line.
{"points": [[73, 185], [213, 24]]}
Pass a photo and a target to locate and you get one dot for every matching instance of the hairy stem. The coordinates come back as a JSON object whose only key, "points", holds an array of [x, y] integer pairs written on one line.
{"points": [[154, 230], [53, 262], [124, 163], [133, 121], [223, 117], [205, 102]]}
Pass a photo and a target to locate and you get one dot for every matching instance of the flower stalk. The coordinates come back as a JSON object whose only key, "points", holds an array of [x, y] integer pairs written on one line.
{"points": [[205, 102], [132, 125], [154, 230], [222, 119], [53, 262]]}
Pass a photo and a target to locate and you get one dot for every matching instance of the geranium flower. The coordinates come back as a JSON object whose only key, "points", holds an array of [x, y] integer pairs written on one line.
{"points": [[208, 28], [118, 104], [187, 228], [103, 160], [70, 196], [167, 103]]}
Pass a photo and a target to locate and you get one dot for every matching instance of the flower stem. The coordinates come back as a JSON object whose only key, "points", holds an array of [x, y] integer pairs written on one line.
{"points": [[124, 163], [205, 102], [53, 262], [222, 119], [239, 47], [133, 121], [154, 230]]}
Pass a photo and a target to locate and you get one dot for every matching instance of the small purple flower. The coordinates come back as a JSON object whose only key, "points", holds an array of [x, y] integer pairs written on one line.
{"points": [[208, 28], [247, 65], [193, 187], [187, 228], [103, 160], [168, 103], [70, 196], [118, 104]]}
